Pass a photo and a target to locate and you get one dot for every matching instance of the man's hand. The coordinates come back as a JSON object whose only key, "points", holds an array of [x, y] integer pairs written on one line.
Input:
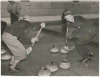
{"points": [[29, 50], [20, 18], [34, 39]]}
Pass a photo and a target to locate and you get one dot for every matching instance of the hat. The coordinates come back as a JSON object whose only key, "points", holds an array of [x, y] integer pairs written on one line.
{"points": [[27, 18], [69, 18], [67, 12]]}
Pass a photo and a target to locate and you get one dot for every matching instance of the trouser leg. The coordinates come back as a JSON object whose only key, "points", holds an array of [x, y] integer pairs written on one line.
{"points": [[82, 43], [13, 17], [12, 60], [82, 49], [64, 28], [14, 63]]}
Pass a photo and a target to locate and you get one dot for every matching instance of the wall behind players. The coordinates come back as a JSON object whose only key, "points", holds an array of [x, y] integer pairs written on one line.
{"points": [[53, 8]]}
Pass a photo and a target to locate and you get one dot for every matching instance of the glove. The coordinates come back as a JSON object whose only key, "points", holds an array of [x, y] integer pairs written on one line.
{"points": [[19, 18], [34, 39], [29, 50]]}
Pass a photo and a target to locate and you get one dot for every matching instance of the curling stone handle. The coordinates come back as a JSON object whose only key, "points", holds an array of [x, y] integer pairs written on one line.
{"points": [[51, 62], [64, 60], [47, 65], [44, 68]]}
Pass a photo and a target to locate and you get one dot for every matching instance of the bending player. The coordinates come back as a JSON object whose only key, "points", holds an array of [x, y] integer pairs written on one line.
{"points": [[10, 38]]}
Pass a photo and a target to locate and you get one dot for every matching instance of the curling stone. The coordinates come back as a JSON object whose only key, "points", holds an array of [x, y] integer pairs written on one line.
{"points": [[3, 51], [64, 49], [65, 64], [54, 49], [72, 48], [52, 67], [5, 56], [29, 50], [44, 72]]}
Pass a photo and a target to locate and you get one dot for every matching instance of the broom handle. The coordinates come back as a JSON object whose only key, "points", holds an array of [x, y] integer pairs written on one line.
{"points": [[67, 32], [37, 35], [39, 32]]}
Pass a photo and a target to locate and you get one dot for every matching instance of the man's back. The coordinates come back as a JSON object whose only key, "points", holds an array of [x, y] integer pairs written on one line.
{"points": [[19, 27]]}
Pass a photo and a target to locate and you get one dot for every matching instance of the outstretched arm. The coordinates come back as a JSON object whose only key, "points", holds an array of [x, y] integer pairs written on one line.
{"points": [[36, 38]]}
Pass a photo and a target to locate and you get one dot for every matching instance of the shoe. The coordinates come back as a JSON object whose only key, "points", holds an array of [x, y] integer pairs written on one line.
{"points": [[91, 54], [81, 60], [85, 59], [15, 70]]}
